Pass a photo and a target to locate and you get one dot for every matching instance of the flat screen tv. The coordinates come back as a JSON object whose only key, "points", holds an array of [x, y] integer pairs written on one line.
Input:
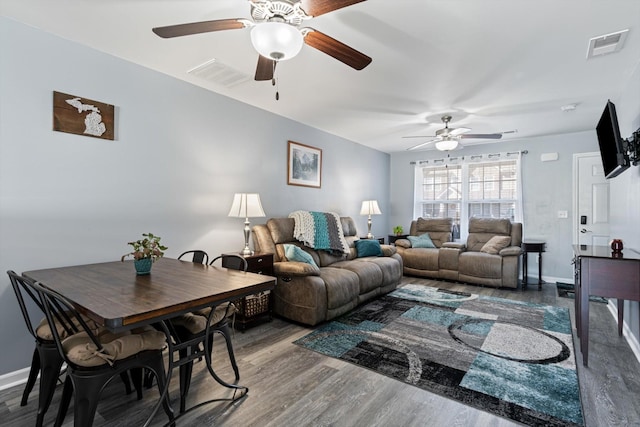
{"points": [[614, 158]]}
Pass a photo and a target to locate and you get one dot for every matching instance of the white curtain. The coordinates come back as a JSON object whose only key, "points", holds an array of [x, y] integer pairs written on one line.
{"points": [[476, 158]]}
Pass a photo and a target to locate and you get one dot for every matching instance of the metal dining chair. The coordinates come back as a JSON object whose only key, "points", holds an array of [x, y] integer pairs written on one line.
{"points": [[197, 256], [191, 330], [45, 361], [95, 355]]}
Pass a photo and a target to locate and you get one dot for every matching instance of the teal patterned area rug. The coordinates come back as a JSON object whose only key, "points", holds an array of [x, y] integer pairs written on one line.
{"points": [[509, 358]]}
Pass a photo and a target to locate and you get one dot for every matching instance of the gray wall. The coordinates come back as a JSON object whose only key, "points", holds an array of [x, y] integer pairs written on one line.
{"points": [[179, 156], [625, 190]]}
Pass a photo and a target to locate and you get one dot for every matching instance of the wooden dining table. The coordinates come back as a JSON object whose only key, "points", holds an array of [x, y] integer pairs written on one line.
{"points": [[114, 296]]}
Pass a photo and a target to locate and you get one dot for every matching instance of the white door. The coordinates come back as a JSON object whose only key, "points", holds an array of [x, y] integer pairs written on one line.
{"points": [[591, 200]]}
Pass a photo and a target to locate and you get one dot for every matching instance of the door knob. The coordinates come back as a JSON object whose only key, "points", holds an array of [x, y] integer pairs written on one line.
{"points": [[584, 230]]}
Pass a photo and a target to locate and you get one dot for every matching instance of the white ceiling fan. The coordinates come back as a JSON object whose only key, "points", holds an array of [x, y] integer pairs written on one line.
{"points": [[447, 139]]}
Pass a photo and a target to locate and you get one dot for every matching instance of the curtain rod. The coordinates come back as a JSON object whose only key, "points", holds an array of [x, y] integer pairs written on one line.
{"points": [[475, 156]]}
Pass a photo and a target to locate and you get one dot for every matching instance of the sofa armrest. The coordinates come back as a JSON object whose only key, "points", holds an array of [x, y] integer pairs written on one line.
{"points": [[388, 250], [454, 245], [403, 243], [295, 268], [510, 251]]}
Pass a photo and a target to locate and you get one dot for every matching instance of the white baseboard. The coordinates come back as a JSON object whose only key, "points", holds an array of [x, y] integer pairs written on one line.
{"points": [[14, 378], [626, 332], [554, 280]]}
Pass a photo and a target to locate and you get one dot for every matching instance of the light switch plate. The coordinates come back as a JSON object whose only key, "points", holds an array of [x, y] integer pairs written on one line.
{"points": [[563, 214]]}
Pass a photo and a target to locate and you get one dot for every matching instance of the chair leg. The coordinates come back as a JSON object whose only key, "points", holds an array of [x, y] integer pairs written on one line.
{"points": [[33, 376], [148, 378], [87, 391], [136, 378], [50, 365], [225, 331], [186, 371], [157, 365], [124, 376], [67, 392]]}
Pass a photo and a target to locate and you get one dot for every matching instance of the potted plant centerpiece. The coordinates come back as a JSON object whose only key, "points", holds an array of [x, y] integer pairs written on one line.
{"points": [[145, 252], [398, 230]]}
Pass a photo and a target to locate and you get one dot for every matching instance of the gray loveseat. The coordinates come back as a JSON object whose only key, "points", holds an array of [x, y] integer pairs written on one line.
{"points": [[311, 295], [475, 261]]}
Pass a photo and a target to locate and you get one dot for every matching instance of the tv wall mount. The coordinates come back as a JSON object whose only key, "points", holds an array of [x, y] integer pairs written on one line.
{"points": [[631, 146]]}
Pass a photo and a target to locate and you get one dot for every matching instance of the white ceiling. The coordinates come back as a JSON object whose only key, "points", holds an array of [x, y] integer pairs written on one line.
{"points": [[495, 65]]}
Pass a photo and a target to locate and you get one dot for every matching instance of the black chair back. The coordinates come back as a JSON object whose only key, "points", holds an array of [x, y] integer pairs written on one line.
{"points": [[197, 255], [20, 288], [233, 261]]}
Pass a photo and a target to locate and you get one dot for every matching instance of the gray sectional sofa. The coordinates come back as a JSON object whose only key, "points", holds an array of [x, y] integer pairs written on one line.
{"points": [[312, 294], [478, 261]]}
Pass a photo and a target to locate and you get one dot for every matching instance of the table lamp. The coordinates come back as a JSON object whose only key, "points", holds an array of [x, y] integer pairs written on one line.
{"points": [[246, 205], [370, 207]]}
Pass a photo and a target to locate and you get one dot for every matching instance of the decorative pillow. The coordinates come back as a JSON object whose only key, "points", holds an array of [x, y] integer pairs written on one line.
{"points": [[295, 253], [421, 241], [368, 247], [496, 244]]}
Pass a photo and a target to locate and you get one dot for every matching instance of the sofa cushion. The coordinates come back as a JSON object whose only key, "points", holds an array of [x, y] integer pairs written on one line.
{"points": [[496, 244], [295, 253], [421, 241], [366, 247]]}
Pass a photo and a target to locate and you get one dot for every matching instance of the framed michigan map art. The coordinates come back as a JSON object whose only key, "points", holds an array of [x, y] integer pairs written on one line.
{"points": [[82, 116], [304, 165]]}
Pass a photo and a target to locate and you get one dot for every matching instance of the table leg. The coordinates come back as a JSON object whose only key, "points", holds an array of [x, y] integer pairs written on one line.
{"points": [[584, 320], [620, 316], [525, 268], [539, 271]]}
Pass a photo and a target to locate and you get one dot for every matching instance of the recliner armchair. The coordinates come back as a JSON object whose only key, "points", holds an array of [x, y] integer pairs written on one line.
{"points": [[481, 263]]}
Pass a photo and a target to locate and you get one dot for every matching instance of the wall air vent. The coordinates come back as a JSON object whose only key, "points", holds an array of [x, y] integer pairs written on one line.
{"points": [[607, 43], [217, 72]]}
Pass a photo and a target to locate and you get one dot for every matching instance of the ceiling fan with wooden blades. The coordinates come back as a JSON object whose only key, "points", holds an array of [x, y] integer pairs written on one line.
{"points": [[447, 138], [276, 32]]}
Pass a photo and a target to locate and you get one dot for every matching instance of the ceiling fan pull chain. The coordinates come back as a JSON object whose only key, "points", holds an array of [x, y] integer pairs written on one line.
{"points": [[274, 81]]}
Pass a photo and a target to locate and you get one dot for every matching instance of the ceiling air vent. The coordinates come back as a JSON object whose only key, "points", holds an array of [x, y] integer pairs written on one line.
{"points": [[217, 72], [607, 43]]}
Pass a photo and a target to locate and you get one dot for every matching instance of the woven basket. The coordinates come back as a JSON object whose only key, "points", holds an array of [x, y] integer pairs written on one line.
{"points": [[254, 304]]}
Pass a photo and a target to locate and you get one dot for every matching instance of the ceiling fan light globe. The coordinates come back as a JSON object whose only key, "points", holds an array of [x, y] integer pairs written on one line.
{"points": [[447, 144], [276, 40]]}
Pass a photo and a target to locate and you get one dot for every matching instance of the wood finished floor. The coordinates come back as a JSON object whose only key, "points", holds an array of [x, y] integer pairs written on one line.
{"points": [[292, 386]]}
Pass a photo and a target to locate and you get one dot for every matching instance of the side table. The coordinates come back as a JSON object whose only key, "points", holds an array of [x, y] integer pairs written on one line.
{"points": [[532, 246], [255, 309], [379, 239], [394, 237]]}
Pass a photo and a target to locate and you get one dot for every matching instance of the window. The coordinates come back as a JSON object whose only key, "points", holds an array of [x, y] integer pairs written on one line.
{"points": [[483, 189], [493, 189], [439, 192]]}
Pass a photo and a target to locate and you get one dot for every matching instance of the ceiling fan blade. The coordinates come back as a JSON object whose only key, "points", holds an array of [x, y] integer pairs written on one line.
{"points": [[199, 27], [265, 68], [415, 147], [482, 135], [458, 131], [336, 49], [319, 7], [419, 136]]}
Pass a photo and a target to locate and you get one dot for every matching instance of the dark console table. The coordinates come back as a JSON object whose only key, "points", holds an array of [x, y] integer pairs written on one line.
{"points": [[599, 271]]}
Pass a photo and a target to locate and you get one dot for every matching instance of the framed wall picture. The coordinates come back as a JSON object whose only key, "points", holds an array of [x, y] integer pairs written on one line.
{"points": [[82, 116], [304, 165]]}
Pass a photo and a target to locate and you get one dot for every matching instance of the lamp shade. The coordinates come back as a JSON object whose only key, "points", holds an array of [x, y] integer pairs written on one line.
{"points": [[370, 207], [447, 144], [246, 205], [276, 40]]}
